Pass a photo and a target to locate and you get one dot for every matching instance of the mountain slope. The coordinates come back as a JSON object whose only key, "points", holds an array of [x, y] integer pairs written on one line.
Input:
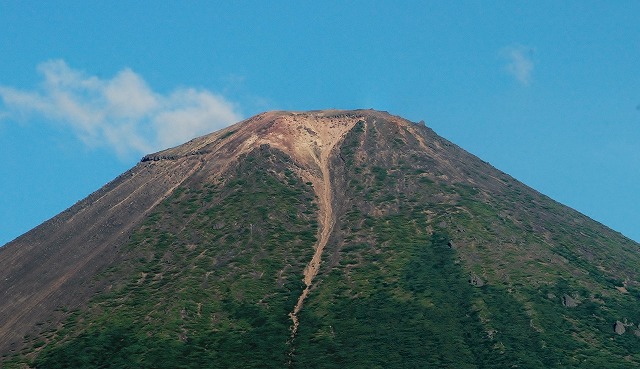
{"points": [[319, 239]]}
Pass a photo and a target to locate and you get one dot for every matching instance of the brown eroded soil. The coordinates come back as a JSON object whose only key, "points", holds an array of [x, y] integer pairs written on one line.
{"points": [[50, 270], [309, 139]]}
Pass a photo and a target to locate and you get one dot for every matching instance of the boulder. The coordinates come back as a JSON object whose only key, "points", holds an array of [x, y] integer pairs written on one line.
{"points": [[476, 281], [569, 301]]}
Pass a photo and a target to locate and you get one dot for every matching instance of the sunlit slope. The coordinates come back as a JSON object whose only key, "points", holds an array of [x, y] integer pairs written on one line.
{"points": [[348, 239]]}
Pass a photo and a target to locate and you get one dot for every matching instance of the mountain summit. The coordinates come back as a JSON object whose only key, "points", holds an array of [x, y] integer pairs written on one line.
{"points": [[319, 239]]}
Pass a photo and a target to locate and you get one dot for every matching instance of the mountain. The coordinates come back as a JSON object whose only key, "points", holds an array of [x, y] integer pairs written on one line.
{"points": [[319, 239]]}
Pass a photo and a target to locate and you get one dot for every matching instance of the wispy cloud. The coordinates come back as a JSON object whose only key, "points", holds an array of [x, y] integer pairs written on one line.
{"points": [[519, 63], [121, 113]]}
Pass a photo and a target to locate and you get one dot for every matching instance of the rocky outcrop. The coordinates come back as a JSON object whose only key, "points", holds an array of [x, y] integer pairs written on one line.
{"points": [[154, 157], [568, 301], [619, 327], [475, 280]]}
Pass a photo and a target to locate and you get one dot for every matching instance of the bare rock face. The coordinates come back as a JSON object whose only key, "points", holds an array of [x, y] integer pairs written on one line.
{"points": [[569, 301], [475, 280], [618, 327]]}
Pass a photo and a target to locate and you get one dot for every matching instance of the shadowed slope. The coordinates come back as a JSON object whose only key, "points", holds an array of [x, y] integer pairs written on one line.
{"points": [[440, 260]]}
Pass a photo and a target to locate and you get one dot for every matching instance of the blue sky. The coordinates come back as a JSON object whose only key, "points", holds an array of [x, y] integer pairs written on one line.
{"points": [[547, 91]]}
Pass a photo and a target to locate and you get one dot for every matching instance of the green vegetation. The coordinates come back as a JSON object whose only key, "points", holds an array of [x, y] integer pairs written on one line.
{"points": [[392, 312], [217, 268], [398, 294], [213, 273]]}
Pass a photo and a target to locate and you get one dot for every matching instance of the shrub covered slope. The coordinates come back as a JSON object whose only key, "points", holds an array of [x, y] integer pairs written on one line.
{"points": [[435, 260]]}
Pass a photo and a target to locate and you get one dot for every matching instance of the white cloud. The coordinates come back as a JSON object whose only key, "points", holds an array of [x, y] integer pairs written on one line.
{"points": [[519, 63], [121, 113]]}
